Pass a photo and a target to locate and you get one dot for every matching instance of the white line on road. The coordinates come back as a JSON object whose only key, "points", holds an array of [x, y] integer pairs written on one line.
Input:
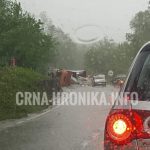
{"points": [[20, 122]]}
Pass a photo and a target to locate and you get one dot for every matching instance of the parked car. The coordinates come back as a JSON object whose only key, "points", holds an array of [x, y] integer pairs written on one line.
{"points": [[128, 124], [99, 80]]}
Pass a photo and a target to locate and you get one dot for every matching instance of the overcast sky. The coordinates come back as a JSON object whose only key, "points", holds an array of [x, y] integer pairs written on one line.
{"points": [[106, 17]]}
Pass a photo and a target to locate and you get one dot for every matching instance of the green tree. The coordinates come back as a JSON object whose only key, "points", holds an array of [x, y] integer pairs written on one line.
{"points": [[23, 37], [140, 26], [69, 54], [108, 55]]}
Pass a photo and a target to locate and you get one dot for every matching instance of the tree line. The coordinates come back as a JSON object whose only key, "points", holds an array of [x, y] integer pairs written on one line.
{"points": [[34, 43], [38, 44], [109, 55]]}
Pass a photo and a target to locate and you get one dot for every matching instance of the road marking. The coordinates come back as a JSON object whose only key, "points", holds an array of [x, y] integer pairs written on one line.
{"points": [[23, 121]]}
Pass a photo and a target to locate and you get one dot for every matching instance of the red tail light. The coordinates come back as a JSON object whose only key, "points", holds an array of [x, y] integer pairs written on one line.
{"points": [[119, 127], [126, 126], [142, 119]]}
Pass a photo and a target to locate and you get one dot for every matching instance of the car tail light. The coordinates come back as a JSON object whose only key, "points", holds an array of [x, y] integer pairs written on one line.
{"points": [[142, 119], [119, 127], [121, 81], [124, 126]]}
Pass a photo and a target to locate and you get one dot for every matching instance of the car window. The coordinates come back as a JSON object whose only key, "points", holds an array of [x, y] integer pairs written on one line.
{"points": [[100, 77], [144, 79], [139, 80]]}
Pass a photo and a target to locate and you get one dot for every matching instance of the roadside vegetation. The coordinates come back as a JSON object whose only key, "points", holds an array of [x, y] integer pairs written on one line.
{"points": [[13, 80], [35, 44]]}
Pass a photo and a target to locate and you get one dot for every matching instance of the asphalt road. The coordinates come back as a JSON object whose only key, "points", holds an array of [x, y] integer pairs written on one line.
{"points": [[64, 128]]}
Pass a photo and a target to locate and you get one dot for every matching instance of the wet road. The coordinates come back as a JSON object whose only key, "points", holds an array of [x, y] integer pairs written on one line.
{"points": [[64, 128]]}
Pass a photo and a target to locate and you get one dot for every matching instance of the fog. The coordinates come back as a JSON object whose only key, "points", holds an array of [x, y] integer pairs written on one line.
{"points": [[112, 17]]}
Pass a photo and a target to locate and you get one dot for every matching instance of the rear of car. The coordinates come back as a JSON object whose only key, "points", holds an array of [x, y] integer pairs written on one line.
{"points": [[128, 123], [119, 80], [99, 80]]}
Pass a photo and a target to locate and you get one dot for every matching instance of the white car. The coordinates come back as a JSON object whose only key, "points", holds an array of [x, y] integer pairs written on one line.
{"points": [[99, 80], [128, 123]]}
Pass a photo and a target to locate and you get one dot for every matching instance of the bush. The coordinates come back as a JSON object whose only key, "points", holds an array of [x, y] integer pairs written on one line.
{"points": [[13, 80]]}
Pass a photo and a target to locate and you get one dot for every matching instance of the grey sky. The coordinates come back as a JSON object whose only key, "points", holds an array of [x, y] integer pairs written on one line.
{"points": [[112, 16]]}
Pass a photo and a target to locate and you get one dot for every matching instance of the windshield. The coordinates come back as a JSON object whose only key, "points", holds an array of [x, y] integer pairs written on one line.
{"points": [[62, 65], [99, 77]]}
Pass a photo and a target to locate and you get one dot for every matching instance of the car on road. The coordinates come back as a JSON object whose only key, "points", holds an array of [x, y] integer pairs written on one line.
{"points": [[119, 80], [99, 80], [127, 126]]}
